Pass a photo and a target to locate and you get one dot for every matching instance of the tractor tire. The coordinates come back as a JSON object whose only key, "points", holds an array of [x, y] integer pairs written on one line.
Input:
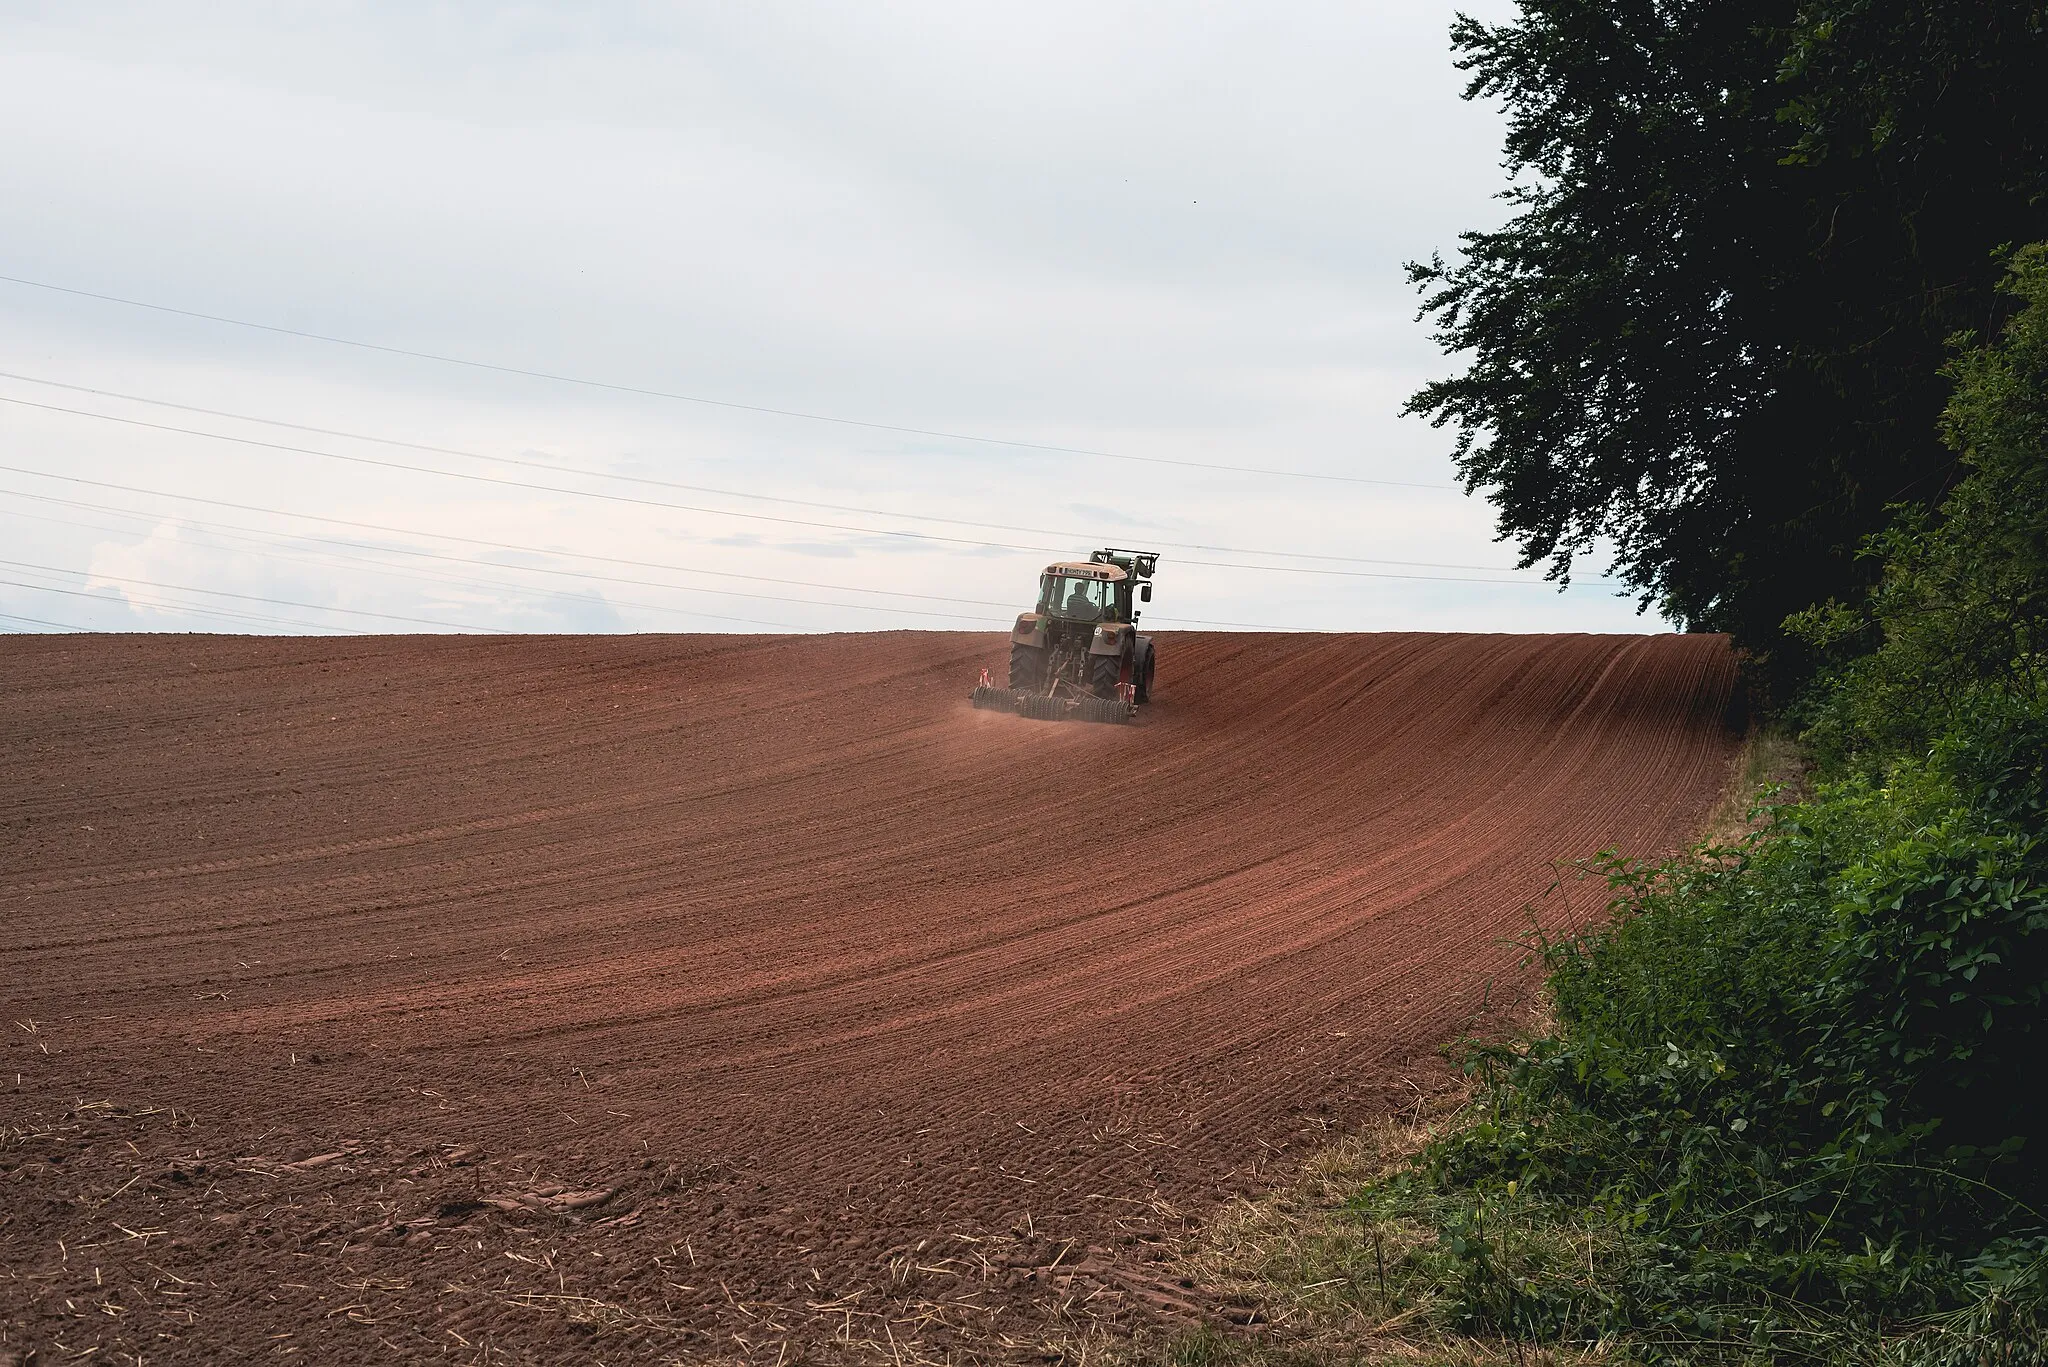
{"points": [[1027, 668], [1145, 677], [1104, 673]]}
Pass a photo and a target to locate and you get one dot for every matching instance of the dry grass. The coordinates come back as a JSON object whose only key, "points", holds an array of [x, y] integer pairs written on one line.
{"points": [[1770, 769], [1310, 1278]]}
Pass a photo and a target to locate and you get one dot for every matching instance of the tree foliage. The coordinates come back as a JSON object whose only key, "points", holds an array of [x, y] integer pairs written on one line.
{"points": [[1958, 619], [1742, 232]]}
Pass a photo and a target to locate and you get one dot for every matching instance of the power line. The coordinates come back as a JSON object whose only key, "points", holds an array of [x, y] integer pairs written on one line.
{"points": [[258, 598], [266, 542], [243, 616], [711, 489], [44, 621], [252, 532], [516, 483], [267, 539], [1251, 626], [709, 403], [179, 607], [448, 536], [253, 539], [693, 508]]}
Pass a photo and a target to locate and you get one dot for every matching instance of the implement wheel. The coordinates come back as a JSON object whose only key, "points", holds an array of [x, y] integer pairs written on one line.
{"points": [[994, 699], [1110, 710]]}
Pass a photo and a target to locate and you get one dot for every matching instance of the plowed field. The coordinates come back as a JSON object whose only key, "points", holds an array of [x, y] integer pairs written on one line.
{"points": [[544, 999]]}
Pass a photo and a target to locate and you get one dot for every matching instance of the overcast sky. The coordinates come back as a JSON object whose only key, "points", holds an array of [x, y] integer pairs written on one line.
{"points": [[1169, 233]]}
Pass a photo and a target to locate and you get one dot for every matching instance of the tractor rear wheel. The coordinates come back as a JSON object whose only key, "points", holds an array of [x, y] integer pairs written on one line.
{"points": [[1104, 673], [1144, 677], [1027, 668]]}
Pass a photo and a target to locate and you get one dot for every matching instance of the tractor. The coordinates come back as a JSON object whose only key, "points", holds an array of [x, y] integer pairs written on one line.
{"points": [[1078, 655]]}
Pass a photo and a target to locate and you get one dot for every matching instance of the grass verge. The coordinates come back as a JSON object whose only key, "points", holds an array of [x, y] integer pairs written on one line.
{"points": [[1771, 768], [1347, 1264]]}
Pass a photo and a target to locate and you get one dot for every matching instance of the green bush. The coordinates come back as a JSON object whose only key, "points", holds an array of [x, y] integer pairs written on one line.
{"points": [[1791, 1072], [1959, 619], [1792, 1096]]}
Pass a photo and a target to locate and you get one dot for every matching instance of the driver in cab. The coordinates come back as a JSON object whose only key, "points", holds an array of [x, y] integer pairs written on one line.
{"points": [[1079, 602]]}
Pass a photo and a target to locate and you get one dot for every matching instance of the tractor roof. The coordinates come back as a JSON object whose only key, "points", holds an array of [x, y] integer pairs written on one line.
{"points": [[1082, 569]]}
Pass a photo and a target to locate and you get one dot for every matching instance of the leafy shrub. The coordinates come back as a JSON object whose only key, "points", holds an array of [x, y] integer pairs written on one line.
{"points": [[1959, 619], [1789, 1072], [1794, 1083]]}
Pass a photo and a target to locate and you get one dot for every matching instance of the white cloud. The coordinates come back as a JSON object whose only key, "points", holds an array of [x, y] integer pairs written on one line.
{"points": [[1169, 232]]}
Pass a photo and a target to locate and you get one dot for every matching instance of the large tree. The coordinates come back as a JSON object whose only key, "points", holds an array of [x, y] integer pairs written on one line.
{"points": [[1743, 233]]}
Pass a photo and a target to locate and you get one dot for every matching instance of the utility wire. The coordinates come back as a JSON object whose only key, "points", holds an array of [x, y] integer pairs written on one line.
{"points": [[695, 508], [258, 598], [516, 483], [230, 529], [258, 540], [267, 543], [709, 403], [180, 607], [448, 536], [648, 481], [264, 538], [1250, 626], [243, 616], [45, 622], [267, 540]]}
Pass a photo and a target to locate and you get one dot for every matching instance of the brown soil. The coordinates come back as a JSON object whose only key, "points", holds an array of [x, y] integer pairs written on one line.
{"points": [[642, 998]]}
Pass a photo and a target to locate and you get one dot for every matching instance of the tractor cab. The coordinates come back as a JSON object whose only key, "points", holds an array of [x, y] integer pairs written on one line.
{"points": [[1085, 593], [1098, 589]]}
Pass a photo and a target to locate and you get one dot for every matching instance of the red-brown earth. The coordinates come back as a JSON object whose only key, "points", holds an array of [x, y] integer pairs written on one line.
{"points": [[633, 999]]}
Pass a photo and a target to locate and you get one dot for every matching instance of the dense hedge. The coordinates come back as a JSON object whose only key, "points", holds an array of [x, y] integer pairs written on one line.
{"points": [[1797, 1078], [1796, 1092]]}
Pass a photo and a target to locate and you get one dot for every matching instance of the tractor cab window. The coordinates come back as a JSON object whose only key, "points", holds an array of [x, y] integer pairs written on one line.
{"points": [[1077, 599]]}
